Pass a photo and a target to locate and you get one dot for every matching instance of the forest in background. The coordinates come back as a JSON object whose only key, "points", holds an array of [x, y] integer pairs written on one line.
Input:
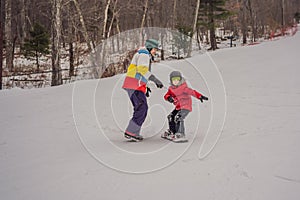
{"points": [[63, 31]]}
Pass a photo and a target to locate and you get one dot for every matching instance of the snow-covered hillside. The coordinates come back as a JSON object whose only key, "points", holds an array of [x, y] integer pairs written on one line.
{"points": [[66, 142]]}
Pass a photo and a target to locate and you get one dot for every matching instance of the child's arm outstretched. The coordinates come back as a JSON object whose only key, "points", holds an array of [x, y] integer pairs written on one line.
{"points": [[195, 94]]}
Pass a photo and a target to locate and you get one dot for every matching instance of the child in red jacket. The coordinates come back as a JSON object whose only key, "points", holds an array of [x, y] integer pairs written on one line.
{"points": [[180, 95]]}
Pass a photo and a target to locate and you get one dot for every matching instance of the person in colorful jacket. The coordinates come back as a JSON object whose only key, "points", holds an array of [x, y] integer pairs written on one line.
{"points": [[135, 83], [179, 94]]}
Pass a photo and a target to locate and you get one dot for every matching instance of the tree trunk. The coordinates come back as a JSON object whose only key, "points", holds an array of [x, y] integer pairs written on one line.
{"points": [[243, 23], [252, 21], [118, 31], [144, 19], [85, 32], [198, 39], [1, 44], [118, 24], [104, 35], [212, 34], [145, 13], [113, 18], [70, 41], [282, 14], [23, 21], [71, 54], [56, 38], [194, 29], [213, 41], [163, 34], [174, 14], [14, 42], [37, 60], [8, 36]]}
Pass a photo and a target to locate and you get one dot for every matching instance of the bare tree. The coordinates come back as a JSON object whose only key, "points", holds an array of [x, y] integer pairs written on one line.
{"points": [[243, 22], [194, 28], [23, 31], [174, 14], [212, 33], [8, 36], [144, 18], [104, 35], [1, 44], [70, 41], [114, 13], [85, 32], [56, 39], [89, 22], [145, 13], [249, 6]]}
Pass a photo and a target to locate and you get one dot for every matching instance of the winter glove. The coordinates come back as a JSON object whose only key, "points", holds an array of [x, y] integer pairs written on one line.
{"points": [[203, 98], [148, 92], [170, 99], [156, 81]]}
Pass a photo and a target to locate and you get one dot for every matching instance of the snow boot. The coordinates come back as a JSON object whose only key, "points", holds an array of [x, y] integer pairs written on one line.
{"points": [[168, 134], [180, 138], [133, 138]]}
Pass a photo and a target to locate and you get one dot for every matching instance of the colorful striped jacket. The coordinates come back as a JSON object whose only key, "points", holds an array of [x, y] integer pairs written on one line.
{"points": [[138, 71]]}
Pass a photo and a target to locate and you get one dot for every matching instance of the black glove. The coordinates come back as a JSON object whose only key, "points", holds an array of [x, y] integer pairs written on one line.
{"points": [[148, 92], [203, 98], [170, 99], [156, 81]]}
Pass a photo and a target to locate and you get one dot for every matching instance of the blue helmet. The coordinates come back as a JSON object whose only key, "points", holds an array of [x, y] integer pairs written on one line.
{"points": [[151, 43]]}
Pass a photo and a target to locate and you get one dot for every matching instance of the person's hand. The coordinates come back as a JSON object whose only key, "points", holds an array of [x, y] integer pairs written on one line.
{"points": [[157, 82], [203, 98], [170, 99]]}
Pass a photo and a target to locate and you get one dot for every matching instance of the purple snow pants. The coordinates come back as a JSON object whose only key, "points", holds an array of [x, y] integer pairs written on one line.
{"points": [[140, 109]]}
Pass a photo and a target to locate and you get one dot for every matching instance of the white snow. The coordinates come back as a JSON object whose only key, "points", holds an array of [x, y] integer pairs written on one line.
{"points": [[66, 142]]}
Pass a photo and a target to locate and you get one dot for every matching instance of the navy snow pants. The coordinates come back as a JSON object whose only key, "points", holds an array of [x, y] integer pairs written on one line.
{"points": [[140, 109]]}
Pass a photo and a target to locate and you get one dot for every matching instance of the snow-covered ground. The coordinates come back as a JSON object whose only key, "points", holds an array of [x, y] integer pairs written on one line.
{"points": [[66, 142]]}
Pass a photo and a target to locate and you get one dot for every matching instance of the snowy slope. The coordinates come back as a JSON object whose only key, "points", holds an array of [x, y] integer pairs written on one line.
{"points": [[66, 142]]}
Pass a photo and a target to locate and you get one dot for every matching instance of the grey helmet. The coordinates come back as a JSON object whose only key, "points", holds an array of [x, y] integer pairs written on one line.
{"points": [[176, 74]]}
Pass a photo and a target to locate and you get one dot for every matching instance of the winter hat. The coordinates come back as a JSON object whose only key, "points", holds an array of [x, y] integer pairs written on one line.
{"points": [[175, 74], [151, 43]]}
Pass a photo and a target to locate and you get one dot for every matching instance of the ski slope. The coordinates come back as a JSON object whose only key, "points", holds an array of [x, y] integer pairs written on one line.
{"points": [[66, 142]]}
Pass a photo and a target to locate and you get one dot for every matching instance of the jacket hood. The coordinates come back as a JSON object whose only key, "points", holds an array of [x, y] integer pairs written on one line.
{"points": [[143, 50]]}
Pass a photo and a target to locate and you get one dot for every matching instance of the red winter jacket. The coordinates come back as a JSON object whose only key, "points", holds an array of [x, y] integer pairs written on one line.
{"points": [[182, 96]]}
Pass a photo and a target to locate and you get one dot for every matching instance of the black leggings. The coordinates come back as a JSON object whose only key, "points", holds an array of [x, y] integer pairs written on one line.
{"points": [[176, 120]]}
